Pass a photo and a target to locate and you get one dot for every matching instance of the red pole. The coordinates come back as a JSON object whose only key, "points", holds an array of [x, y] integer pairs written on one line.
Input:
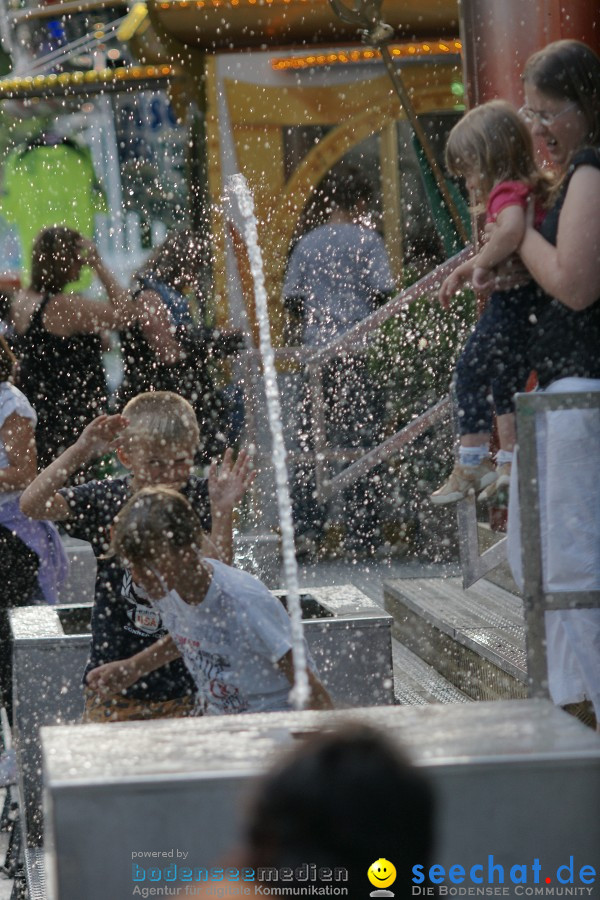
{"points": [[498, 37]]}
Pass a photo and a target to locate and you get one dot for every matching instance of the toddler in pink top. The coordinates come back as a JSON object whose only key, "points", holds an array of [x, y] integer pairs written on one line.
{"points": [[491, 149]]}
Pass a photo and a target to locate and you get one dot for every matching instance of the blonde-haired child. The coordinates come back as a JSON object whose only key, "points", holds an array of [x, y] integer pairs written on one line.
{"points": [[156, 438], [233, 634], [162, 415], [491, 148]]}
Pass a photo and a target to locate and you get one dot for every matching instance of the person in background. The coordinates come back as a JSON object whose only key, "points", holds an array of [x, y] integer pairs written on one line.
{"points": [[562, 106], [57, 337], [33, 563], [176, 349], [337, 274]]}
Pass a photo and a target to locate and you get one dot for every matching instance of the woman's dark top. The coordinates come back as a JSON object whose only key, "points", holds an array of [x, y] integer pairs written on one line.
{"points": [[192, 377], [64, 380], [142, 371], [566, 342]]}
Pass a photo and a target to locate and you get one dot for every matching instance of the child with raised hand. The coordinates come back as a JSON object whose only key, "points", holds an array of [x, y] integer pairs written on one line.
{"points": [[491, 148], [233, 634], [155, 438]]}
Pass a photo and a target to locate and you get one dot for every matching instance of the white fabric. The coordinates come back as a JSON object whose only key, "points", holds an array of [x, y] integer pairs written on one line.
{"points": [[568, 448], [231, 642], [12, 400]]}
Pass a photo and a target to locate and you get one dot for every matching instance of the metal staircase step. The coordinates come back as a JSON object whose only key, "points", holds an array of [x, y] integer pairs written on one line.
{"points": [[475, 638], [416, 683]]}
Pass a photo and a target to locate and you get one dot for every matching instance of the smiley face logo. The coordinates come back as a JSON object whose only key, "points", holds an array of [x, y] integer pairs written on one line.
{"points": [[382, 873]]}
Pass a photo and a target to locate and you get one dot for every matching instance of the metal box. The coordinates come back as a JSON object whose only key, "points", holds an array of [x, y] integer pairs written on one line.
{"points": [[348, 635], [50, 646], [516, 779]]}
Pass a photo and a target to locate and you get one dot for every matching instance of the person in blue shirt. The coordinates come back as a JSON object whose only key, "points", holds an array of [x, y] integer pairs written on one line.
{"points": [[337, 274]]}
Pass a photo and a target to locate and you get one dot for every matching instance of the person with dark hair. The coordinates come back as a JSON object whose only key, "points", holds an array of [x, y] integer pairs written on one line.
{"points": [[173, 268], [562, 106], [343, 798], [33, 563], [57, 337], [151, 359], [177, 351], [234, 636], [337, 274]]}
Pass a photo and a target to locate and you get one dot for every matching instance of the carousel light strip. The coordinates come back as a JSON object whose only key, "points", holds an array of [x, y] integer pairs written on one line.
{"points": [[76, 79], [343, 57], [219, 4]]}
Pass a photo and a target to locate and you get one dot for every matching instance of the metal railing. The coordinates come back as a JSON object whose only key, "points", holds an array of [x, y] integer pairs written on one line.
{"points": [[357, 338], [538, 600], [474, 564]]}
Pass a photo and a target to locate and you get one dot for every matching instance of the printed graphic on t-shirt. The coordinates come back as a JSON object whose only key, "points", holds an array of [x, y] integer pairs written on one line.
{"points": [[226, 697], [207, 669], [143, 618]]}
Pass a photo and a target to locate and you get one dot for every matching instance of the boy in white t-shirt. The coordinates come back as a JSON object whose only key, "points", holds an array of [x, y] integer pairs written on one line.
{"points": [[233, 634]]}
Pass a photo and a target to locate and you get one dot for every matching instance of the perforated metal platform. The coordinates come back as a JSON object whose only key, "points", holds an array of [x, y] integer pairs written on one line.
{"points": [[474, 638], [416, 683]]}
